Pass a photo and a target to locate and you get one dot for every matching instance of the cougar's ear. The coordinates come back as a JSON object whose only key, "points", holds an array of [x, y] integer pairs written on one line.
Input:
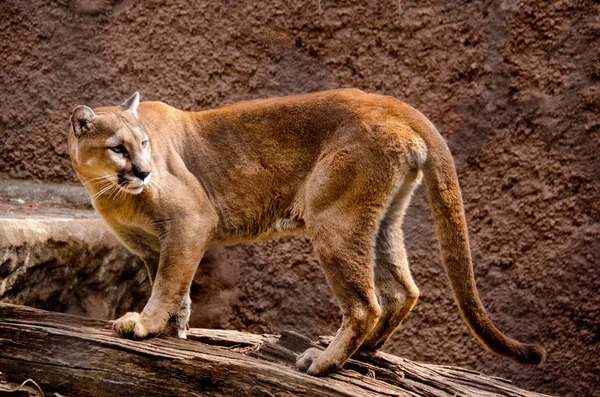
{"points": [[82, 120], [132, 103]]}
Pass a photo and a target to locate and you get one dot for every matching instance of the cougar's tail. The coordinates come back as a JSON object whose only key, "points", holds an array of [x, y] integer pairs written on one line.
{"points": [[446, 202]]}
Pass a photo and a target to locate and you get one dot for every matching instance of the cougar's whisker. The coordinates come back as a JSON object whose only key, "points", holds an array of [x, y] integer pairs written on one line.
{"points": [[115, 193], [102, 191], [98, 180]]}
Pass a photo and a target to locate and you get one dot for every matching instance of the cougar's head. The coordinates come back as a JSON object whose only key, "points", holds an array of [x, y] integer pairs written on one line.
{"points": [[110, 149]]}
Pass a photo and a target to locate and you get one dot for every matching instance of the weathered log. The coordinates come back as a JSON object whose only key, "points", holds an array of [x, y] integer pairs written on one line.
{"points": [[68, 355]]}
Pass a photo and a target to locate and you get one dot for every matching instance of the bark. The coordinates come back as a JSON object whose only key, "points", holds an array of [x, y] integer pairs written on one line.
{"points": [[65, 355]]}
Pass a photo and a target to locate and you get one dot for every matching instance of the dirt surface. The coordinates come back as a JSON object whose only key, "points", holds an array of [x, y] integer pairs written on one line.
{"points": [[512, 85]]}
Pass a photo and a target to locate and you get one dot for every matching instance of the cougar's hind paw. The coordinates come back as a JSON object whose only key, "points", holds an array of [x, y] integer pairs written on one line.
{"points": [[314, 362]]}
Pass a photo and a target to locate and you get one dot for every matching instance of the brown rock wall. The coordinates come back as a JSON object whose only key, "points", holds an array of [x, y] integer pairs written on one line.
{"points": [[513, 85]]}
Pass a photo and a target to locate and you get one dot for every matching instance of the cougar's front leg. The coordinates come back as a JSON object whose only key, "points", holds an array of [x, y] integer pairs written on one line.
{"points": [[184, 237], [178, 323]]}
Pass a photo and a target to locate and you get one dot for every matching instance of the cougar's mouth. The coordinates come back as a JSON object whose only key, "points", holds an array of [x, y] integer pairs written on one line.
{"points": [[133, 184], [132, 189]]}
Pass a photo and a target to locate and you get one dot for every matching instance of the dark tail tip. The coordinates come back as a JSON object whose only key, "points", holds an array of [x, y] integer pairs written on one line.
{"points": [[532, 354]]}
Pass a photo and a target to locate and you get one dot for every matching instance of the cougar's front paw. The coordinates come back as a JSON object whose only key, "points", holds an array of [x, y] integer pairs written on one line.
{"points": [[315, 362], [133, 325]]}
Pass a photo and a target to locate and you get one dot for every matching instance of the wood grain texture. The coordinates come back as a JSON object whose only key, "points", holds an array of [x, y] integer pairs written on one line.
{"points": [[76, 356]]}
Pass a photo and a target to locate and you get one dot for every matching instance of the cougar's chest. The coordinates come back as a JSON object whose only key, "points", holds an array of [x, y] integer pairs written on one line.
{"points": [[134, 229]]}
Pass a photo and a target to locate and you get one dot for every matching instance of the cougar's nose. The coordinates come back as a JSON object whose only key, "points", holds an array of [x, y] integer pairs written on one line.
{"points": [[141, 174]]}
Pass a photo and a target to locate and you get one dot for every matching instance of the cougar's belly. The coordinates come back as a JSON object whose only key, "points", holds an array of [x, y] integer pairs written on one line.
{"points": [[259, 229]]}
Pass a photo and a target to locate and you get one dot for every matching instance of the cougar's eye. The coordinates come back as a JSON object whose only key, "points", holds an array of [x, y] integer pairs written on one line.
{"points": [[118, 149], [145, 144]]}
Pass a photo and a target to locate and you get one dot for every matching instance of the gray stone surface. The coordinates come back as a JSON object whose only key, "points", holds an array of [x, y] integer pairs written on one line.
{"points": [[64, 259], [44, 194]]}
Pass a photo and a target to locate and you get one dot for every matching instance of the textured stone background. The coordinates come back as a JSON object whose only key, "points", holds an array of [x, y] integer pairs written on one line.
{"points": [[513, 86]]}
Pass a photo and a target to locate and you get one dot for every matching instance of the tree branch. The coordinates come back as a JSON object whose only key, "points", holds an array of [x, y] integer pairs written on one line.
{"points": [[68, 355]]}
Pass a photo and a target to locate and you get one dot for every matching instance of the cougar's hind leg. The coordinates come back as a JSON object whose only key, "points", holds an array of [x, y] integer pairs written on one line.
{"points": [[343, 210], [346, 257], [396, 289]]}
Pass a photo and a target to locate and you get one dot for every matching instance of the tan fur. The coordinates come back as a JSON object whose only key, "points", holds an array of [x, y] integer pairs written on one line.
{"points": [[341, 165]]}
